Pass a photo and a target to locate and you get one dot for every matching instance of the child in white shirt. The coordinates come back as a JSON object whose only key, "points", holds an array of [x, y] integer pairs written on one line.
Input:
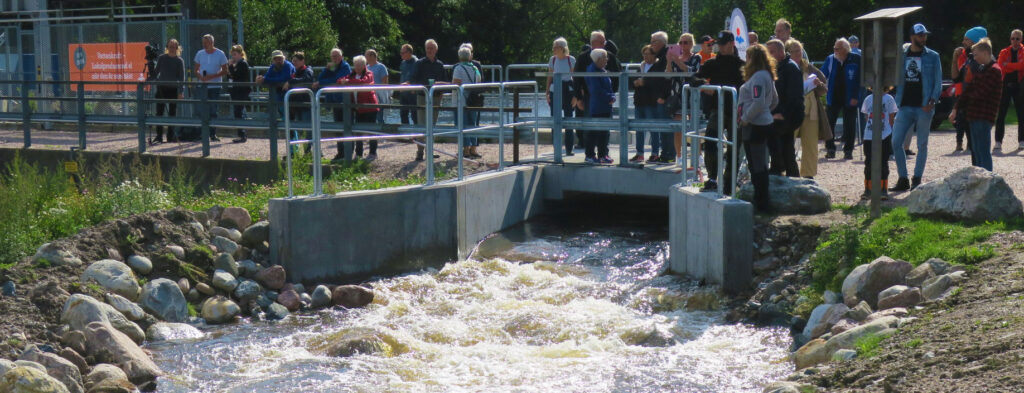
{"points": [[889, 110]]}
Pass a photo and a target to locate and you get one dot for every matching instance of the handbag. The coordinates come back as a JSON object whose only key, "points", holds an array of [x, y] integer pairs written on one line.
{"points": [[476, 97], [824, 128]]}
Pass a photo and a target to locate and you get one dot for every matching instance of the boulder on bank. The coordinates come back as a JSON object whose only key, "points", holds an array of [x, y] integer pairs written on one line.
{"points": [[141, 264], [819, 351], [104, 372], [30, 380], [256, 234], [823, 317], [57, 367], [899, 296], [235, 217], [969, 194], [162, 331], [107, 345], [81, 310], [866, 281], [163, 299], [130, 310], [790, 195], [321, 297], [113, 276], [53, 255], [272, 277], [351, 296], [220, 309]]}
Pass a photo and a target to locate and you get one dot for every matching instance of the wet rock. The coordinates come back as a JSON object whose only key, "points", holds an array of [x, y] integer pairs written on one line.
{"points": [[104, 376], [321, 297], [53, 255], [843, 355], [699, 301], [256, 234], [114, 276], [823, 317], [9, 289], [272, 277], [219, 309], [306, 300], [935, 287], [351, 296], [224, 281], [290, 300], [130, 310], [205, 289], [793, 195], [367, 341], [788, 387], [263, 301], [82, 310], [140, 264], [810, 354], [107, 345], [860, 312], [225, 245], [247, 291], [969, 194], [224, 261], [76, 359], [192, 295], [298, 287], [866, 281], [899, 296], [163, 299], [57, 367], [163, 331], [843, 325], [235, 217], [30, 380], [276, 312], [177, 251]]}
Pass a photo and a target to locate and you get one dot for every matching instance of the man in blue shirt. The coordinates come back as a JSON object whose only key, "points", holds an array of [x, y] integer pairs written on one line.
{"points": [[842, 69], [917, 92]]}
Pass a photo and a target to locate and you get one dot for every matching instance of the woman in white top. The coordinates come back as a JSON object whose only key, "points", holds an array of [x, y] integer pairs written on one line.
{"points": [[562, 62]]}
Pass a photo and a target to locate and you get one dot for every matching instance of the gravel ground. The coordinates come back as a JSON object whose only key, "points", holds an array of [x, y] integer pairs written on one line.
{"points": [[843, 178]]}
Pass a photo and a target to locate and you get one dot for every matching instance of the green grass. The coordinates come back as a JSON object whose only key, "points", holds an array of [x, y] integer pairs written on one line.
{"points": [[913, 343], [869, 345], [898, 235], [40, 205], [192, 310]]}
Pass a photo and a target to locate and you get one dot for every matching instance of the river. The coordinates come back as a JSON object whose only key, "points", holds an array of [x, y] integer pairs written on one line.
{"points": [[553, 305]]}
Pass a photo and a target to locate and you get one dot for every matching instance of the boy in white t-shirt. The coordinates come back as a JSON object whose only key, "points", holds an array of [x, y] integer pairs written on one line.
{"points": [[889, 110]]}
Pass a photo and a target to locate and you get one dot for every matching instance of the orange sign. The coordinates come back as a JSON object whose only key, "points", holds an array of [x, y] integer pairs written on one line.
{"points": [[113, 62]]}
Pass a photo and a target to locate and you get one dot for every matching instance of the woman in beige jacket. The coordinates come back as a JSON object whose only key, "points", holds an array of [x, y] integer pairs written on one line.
{"points": [[815, 126]]}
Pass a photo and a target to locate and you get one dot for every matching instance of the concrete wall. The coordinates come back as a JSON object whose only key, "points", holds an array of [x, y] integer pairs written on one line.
{"points": [[491, 202], [711, 237], [559, 179]]}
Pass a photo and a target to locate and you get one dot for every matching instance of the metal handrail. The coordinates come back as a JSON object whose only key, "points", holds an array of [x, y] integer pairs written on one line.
{"points": [[288, 150], [693, 105], [501, 119]]}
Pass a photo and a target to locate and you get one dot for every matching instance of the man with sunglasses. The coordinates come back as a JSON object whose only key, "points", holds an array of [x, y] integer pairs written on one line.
{"points": [[707, 46], [920, 84], [1011, 60]]}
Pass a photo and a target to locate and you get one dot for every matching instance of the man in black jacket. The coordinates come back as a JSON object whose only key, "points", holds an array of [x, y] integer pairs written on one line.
{"points": [[725, 69], [597, 41], [789, 114], [656, 88]]}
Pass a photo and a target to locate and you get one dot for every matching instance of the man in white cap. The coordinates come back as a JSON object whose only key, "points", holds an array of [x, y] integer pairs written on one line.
{"points": [[279, 73], [920, 85]]}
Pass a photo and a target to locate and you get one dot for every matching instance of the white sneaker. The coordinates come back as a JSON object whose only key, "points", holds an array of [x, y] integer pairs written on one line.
{"points": [[999, 146]]}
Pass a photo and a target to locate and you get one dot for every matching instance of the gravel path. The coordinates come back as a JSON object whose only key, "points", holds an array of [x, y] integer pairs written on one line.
{"points": [[844, 178]]}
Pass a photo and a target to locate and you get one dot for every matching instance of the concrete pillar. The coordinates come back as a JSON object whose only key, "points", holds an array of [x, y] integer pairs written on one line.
{"points": [[711, 237]]}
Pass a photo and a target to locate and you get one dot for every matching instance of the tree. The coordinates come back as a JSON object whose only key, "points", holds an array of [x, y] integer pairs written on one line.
{"points": [[289, 25], [366, 24]]}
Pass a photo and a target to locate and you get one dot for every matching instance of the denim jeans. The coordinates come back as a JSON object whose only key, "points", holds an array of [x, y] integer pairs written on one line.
{"points": [[650, 112], [981, 143], [921, 121], [471, 120]]}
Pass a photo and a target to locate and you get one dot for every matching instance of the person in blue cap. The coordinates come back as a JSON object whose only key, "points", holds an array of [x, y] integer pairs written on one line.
{"points": [[962, 60], [920, 84]]}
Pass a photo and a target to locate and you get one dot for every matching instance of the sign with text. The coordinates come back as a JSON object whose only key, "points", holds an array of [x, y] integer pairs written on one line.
{"points": [[109, 62]]}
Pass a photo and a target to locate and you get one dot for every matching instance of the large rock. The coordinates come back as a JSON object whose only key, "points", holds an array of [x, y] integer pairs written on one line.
{"points": [[366, 341], [72, 356], [30, 380], [81, 310], [130, 310], [788, 387], [866, 281], [276, 311], [225, 245], [141, 264], [53, 255], [321, 297], [224, 281], [899, 296], [162, 331], [232, 234], [792, 195], [102, 372], [224, 261], [237, 216], [115, 276], [969, 194], [290, 300], [220, 309], [57, 367], [823, 317], [860, 312], [256, 234], [163, 299], [247, 291], [5, 366], [272, 277], [205, 289], [248, 268], [107, 345], [351, 296], [820, 351], [935, 287]]}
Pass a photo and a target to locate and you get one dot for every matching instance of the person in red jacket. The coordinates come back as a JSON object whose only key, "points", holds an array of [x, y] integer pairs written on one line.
{"points": [[980, 103], [362, 76], [1011, 60]]}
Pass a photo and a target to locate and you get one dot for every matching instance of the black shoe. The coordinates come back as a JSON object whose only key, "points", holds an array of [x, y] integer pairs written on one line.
{"points": [[156, 141], [238, 140], [419, 155], [902, 184], [569, 154], [885, 194], [909, 152], [866, 195], [709, 186], [914, 182], [847, 155], [830, 154], [214, 138]]}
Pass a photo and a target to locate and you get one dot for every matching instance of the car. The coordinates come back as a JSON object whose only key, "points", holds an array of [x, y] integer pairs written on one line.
{"points": [[945, 105]]}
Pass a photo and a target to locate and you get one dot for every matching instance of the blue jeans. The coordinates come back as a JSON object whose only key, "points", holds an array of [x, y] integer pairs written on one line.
{"points": [[981, 143], [471, 120], [907, 117], [212, 94], [650, 112]]}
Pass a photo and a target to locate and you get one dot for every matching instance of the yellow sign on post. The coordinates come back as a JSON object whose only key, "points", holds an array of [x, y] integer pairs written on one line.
{"points": [[71, 166]]}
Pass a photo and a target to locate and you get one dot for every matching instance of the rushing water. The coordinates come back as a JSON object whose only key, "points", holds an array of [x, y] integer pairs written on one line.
{"points": [[548, 306]]}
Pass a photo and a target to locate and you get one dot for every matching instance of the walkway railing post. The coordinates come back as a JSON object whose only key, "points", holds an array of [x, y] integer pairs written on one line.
{"points": [[272, 115], [205, 118], [346, 118], [460, 122], [685, 119], [721, 140], [515, 130], [288, 137], [82, 128], [140, 111], [536, 131], [26, 115], [623, 118], [429, 114], [735, 141], [501, 127], [556, 115], [314, 125]]}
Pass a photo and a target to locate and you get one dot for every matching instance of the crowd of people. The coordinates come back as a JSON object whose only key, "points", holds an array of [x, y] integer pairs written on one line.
{"points": [[781, 96]]}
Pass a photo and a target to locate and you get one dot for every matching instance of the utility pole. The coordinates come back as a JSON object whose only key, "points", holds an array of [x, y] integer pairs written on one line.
{"points": [[686, 16], [241, 36]]}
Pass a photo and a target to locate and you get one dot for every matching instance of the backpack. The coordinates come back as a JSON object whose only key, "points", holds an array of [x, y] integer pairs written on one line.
{"points": [[476, 97]]}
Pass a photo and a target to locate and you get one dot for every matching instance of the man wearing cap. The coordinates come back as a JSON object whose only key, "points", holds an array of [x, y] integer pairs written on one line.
{"points": [[842, 69], [1011, 60], [855, 45], [706, 45], [279, 73], [962, 62], [725, 69], [919, 87]]}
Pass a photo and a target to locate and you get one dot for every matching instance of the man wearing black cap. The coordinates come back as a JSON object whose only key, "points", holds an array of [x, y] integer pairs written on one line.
{"points": [[724, 69]]}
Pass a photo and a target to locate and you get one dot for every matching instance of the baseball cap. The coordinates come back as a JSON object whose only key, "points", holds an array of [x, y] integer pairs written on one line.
{"points": [[276, 53], [705, 39], [853, 39], [920, 29], [725, 37]]}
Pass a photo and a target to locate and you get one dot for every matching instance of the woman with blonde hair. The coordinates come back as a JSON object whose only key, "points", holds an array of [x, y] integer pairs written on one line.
{"points": [[757, 99], [815, 126], [561, 61], [238, 70], [170, 67]]}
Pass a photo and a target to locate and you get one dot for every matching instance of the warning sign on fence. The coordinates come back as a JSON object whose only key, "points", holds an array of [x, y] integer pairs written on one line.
{"points": [[109, 62]]}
